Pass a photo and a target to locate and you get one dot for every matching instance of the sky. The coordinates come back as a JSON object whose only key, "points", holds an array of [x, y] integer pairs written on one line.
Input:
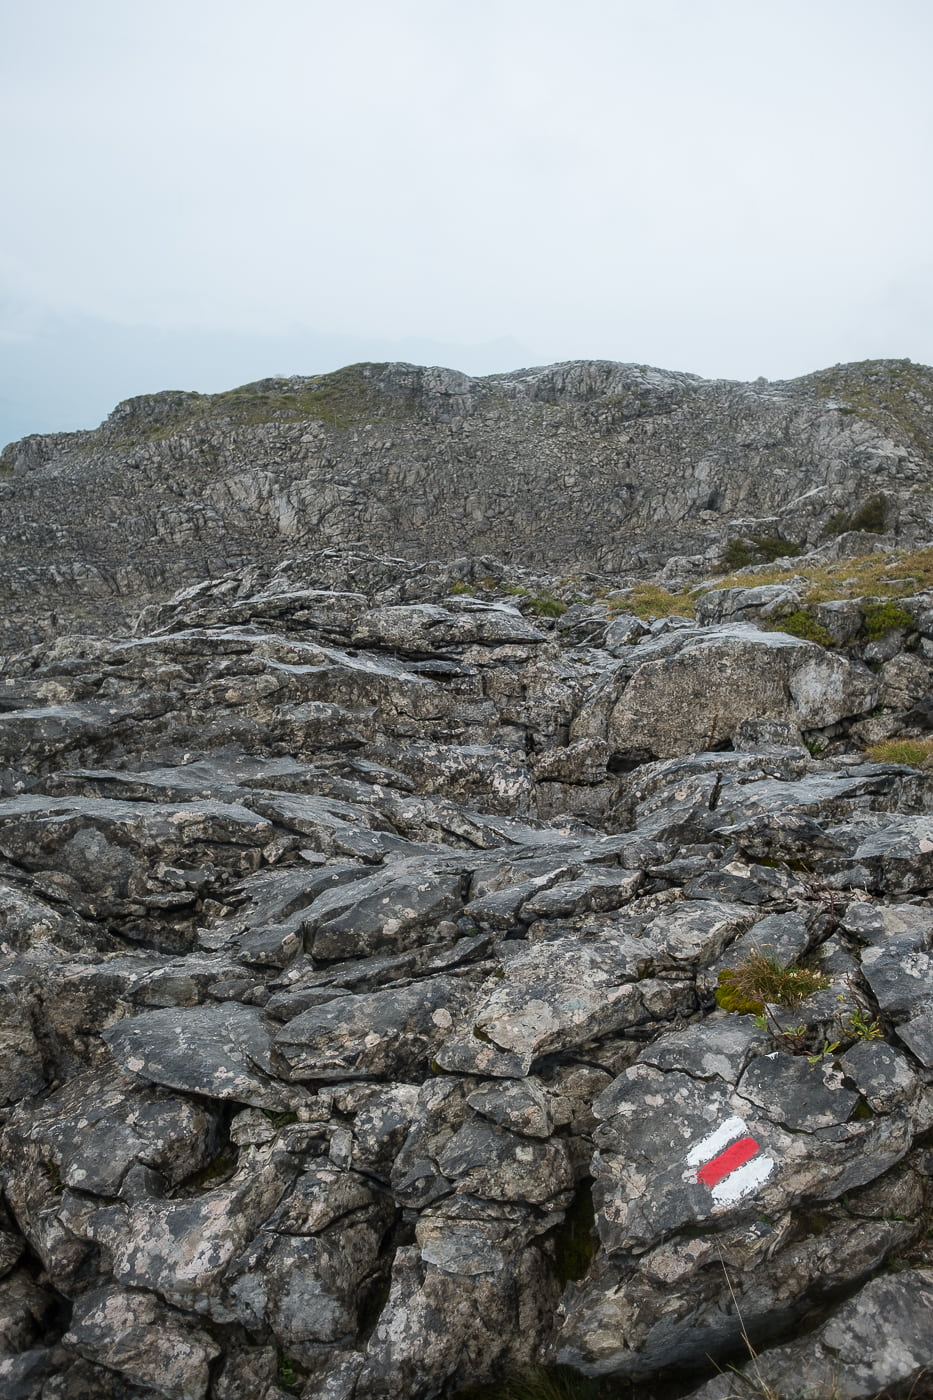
{"points": [[199, 193]]}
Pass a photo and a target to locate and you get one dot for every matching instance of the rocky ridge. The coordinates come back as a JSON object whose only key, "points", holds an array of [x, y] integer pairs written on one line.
{"points": [[572, 468], [361, 940]]}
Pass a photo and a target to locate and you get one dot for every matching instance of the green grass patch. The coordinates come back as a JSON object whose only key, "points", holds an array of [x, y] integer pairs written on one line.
{"points": [[800, 622], [543, 605], [914, 752], [763, 978], [881, 618]]}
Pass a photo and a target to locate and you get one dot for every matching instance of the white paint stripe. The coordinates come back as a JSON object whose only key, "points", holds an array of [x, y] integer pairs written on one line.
{"points": [[742, 1181], [727, 1132]]}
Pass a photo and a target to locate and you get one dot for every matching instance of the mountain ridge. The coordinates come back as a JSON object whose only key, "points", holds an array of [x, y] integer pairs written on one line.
{"points": [[579, 466]]}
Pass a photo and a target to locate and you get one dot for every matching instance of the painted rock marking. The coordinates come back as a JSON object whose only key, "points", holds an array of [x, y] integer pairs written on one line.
{"points": [[730, 1162]]}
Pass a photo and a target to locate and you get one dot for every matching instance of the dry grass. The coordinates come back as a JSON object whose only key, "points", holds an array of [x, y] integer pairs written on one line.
{"points": [[918, 753], [891, 575], [650, 600], [762, 979]]}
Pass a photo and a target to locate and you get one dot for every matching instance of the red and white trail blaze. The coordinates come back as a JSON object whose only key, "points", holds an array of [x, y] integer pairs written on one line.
{"points": [[730, 1162]]}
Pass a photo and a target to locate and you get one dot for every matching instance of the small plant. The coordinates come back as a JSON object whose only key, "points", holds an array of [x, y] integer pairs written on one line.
{"points": [[800, 622], [757, 549], [829, 1047], [281, 1120], [461, 588], [543, 605], [915, 752], [815, 745], [288, 1375], [762, 979], [53, 1177], [856, 1026], [881, 618]]}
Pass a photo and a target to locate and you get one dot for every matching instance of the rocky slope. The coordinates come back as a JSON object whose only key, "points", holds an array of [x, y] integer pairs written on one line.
{"points": [[361, 942], [581, 467]]}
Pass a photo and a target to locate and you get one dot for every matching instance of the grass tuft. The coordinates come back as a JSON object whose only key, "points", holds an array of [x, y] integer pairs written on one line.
{"points": [[650, 600], [543, 605], [763, 978], [917, 753]]}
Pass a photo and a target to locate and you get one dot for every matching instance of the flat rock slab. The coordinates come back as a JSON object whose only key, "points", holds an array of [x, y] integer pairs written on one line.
{"points": [[396, 1031], [900, 977], [428, 628], [801, 1095], [392, 909], [222, 1052]]}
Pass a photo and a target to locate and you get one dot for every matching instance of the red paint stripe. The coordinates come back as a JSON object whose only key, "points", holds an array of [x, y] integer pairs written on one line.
{"points": [[734, 1156]]}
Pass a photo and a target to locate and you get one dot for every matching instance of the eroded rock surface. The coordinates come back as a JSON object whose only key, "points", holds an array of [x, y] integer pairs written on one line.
{"points": [[359, 954]]}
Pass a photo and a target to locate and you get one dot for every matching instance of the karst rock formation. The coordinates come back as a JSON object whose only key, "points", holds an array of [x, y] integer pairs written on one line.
{"points": [[402, 798]]}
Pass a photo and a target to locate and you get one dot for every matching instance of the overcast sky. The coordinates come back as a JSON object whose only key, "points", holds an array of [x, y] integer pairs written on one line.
{"points": [[200, 192]]}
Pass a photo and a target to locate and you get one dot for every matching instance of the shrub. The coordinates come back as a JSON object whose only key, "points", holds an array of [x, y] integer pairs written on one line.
{"points": [[869, 518], [800, 622], [757, 549], [763, 978], [885, 617]]}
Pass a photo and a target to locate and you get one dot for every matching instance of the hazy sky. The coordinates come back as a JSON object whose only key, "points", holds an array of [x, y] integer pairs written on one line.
{"points": [[207, 191]]}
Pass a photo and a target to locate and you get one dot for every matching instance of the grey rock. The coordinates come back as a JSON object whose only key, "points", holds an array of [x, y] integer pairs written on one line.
{"points": [[900, 977], [222, 1052], [917, 1035], [395, 1032], [486, 1160], [695, 695], [797, 1094], [520, 1105], [97, 1126], [389, 910], [894, 1310], [137, 1336], [182, 1247]]}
